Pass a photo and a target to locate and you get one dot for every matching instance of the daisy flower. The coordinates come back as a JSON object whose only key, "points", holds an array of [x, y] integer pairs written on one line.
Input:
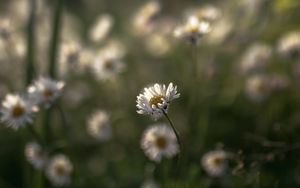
{"points": [[16, 111], [159, 141], [214, 162], [107, 64], [256, 58], [99, 126], [101, 28], [257, 87], [59, 170], [193, 30], [35, 155], [45, 90], [155, 100], [289, 45]]}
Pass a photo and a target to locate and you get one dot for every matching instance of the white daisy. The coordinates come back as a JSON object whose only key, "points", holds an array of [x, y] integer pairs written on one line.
{"points": [[143, 20], [107, 64], [215, 162], [193, 30], [16, 111], [155, 100], [159, 141], [256, 58], [59, 170], [35, 155], [101, 28], [289, 45], [257, 87], [45, 90], [99, 126]]}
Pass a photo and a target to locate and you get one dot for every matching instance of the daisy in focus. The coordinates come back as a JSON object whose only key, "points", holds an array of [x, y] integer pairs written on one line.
{"points": [[35, 155], [193, 30], [159, 141], [214, 162], [99, 126], [59, 170], [45, 90], [16, 111], [155, 100]]}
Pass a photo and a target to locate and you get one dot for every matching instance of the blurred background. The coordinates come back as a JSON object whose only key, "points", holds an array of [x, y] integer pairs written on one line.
{"points": [[239, 88]]}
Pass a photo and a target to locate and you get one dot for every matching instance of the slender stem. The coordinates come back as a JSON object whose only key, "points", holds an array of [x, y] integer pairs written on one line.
{"points": [[47, 128], [174, 129], [55, 38], [30, 43]]}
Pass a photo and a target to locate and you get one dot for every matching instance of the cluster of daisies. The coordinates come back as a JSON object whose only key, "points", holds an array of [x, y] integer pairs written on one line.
{"points": [[18, 110]]}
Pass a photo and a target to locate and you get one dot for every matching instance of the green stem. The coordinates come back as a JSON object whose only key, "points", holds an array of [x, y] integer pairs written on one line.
{"points": [[30, 43], [55, 38], [174, 130], [34, 133]]}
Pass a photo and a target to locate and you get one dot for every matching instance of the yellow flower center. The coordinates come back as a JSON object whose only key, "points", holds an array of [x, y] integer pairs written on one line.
{"points": [[108, 65], [60, 169], [155, 100], [161, 142], [48, 93], [17, 111], [217, 161]]}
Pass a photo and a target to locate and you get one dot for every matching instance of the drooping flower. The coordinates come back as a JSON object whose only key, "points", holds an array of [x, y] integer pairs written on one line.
{"points": [[16, 111], [159, 141], [45, 90], [99, 126], [155, 100], [215, 162], [193, 30], [35, 155], [59, 170]]}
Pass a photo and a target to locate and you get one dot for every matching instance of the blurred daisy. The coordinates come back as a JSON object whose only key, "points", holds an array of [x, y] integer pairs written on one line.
{"points": [[155, 100], [193, 30], [289, 45], [16, 111], [101, 28], [158, 44], [214, 162], [208, 12], [99, 126], [143, 20], [159, 141], [256, 58], [150, 183], [5, 29], [257, 87], [35, 155], [107, 64], [73, 57], [45, 90], [59, 170]]}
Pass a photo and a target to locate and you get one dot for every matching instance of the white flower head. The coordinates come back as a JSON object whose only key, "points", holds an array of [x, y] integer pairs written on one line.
{"points": [[155, 100], [289, 45], [193, 30], [214, 162], [159, 141], [101, 28], [35, 155], [16, 111], [256, 58], [59, 170], [107, 64], [143, 20], [257, 87], [45, 90], [99, 126]]}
